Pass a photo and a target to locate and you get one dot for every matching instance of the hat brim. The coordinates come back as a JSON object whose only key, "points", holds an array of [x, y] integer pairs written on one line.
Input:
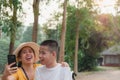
{"points": [[33, 45]]}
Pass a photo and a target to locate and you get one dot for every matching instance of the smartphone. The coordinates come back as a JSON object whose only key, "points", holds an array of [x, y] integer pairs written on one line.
{"points": [[11, 59]]}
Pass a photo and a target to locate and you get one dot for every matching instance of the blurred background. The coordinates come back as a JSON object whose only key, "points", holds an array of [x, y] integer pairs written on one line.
{"points": [[88, 31]]}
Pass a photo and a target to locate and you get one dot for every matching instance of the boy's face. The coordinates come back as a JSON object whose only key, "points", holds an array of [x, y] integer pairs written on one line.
{"points": [[45, 55]]}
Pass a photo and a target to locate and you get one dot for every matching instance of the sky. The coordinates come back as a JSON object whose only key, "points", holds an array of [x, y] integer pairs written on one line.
{"points": [[106, 6], [45, 12]]}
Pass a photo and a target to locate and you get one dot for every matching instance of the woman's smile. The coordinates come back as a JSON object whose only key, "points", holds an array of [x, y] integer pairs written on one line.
{"points": [[28, 58]]}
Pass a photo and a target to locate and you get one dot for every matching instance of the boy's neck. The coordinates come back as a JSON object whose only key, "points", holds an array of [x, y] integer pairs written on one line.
{"points": [[52, 65]]}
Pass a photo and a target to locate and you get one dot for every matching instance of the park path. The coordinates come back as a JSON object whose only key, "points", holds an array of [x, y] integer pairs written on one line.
{"points": [[109, 73]]}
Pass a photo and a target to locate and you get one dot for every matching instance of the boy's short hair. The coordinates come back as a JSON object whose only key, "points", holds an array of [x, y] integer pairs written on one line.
{"points": [[51, 44]]}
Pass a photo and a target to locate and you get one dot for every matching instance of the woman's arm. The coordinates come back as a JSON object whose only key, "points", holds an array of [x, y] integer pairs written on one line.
{"points": [[7, 74]]}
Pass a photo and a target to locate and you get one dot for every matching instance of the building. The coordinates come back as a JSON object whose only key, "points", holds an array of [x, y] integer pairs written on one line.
{"points": [[111, 56]]}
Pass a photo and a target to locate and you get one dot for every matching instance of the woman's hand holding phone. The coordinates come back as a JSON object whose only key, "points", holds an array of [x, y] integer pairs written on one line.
{"points": [[12, 69], [9, 69]]}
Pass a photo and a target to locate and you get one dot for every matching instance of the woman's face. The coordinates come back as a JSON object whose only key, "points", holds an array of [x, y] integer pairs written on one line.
{"points": [[27, 55]]}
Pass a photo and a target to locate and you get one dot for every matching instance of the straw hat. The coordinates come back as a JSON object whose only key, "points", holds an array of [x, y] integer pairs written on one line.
{"points": [[33, 45]]}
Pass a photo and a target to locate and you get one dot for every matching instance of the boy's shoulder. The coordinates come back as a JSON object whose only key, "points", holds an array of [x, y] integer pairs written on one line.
{"points": [[58, 67]]}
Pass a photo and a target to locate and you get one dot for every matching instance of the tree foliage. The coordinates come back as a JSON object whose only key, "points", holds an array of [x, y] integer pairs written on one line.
{"points": [[9, 22], [27, 34], [86, 27]]}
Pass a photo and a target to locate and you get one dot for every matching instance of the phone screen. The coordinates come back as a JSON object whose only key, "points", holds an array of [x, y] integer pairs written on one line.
{"points": [[11, 59]]}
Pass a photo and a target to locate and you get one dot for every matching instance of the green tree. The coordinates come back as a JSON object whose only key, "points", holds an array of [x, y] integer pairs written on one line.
{"points": [[27, 35], [63, 33], [50, 33], [84, 22], [10, 23], [82, 15], [110, 26], [36, 14]]}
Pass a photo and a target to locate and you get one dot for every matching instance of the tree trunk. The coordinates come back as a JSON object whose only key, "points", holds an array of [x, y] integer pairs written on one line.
{"points": [[62, 41], [76, 51], [76, 45], [11, 47], [36, 14], [13, 30]]}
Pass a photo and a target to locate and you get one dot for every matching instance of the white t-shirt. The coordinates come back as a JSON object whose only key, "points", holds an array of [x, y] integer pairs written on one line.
{"points": [[56, 73]]}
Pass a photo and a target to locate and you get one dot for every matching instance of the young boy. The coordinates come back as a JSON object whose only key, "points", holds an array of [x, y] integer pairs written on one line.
{"points": [[51, 70]]}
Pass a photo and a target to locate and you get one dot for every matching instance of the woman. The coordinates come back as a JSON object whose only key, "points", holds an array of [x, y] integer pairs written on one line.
{"points": [[27, 55]]}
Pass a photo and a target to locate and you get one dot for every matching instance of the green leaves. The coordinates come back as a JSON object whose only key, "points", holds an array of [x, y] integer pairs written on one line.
{"points": [[16, 3], [4, 48], [8, 28], [87, 63]]}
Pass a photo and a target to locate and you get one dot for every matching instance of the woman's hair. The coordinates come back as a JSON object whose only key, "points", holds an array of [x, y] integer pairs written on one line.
{"points": [[19, 63]]}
